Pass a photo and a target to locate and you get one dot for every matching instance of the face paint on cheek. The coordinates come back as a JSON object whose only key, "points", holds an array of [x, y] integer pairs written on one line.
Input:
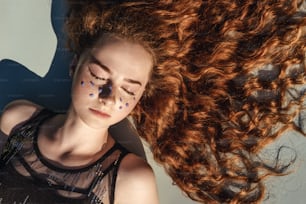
{"points": [[91, 83], [126, 102], [120, 105]]}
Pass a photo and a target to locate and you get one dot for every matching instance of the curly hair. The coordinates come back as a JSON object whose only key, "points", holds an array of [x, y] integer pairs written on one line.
{"points": [[223, 85]]}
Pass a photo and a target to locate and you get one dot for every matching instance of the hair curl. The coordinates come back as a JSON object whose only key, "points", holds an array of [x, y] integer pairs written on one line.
{"points": [[221, 89]]}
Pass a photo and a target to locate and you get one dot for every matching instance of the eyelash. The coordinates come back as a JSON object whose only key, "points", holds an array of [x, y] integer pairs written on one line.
{"points": [[128, 92], [95, 76]]}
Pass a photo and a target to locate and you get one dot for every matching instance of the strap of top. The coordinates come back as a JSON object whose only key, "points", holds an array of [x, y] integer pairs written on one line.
{"points": [[113, 177], [20, 133], [115, 173]]}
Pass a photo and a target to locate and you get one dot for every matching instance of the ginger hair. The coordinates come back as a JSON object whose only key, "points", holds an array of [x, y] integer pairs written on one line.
{"points": [[221, 89]]}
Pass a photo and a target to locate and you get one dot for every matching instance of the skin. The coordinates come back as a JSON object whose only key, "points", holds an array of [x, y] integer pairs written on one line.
{"points": [[76, 139]]}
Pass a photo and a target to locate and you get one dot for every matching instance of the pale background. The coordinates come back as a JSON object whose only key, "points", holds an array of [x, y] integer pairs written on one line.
{"points": [[34, 65]]}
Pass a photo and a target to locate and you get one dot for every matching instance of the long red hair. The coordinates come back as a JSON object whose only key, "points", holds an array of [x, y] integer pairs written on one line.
{"points": [[223, 85]]}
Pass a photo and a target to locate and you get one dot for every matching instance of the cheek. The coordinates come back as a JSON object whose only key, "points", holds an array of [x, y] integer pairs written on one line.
{"points": [[126, 103], [84, 89]]}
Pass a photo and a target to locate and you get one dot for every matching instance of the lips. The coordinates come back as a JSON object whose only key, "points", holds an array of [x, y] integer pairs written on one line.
{"points": [[99, 113]]}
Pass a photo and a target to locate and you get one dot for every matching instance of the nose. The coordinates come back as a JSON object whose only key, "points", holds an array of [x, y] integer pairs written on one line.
{"points": [[106, 92]]}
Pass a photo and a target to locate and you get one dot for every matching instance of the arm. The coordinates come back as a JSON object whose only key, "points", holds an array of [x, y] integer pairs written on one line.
{"points": [[136, 182]]}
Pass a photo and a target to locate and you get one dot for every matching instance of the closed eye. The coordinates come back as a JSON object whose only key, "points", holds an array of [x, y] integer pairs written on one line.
{"points": [[128, 92], [95, 76]]}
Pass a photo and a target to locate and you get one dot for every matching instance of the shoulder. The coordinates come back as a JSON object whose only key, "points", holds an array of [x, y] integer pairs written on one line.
{"points": [[16, 112], [135, 181]]}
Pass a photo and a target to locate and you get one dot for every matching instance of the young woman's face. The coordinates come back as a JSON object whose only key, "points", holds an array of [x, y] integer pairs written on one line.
{"points": [[109, 81]]}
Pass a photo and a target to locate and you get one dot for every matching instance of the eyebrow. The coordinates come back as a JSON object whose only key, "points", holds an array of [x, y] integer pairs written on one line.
{"points": [[108, 70]]}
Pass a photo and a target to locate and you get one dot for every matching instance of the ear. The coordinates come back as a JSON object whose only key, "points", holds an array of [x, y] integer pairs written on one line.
{"points": [[73, 65]]}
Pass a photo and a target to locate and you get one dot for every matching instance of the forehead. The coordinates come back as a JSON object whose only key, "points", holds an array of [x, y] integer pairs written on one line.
{"points": [[123, 57]]}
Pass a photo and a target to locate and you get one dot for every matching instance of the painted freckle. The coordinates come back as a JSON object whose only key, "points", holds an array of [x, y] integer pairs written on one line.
{"points": [[120, 107], [91, 94], [127, 104], [82, 83], [91, 83]]}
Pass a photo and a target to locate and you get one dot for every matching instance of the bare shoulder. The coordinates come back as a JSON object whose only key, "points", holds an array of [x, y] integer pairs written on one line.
{"points": [[136, 182], [16, 112], [132, 163]]}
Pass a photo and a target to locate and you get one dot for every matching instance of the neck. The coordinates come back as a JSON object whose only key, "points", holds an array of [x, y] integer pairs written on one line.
{"points": [[77, 137]]}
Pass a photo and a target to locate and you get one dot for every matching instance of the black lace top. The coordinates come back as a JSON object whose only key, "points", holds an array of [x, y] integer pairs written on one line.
{"points": [[27, 177]]}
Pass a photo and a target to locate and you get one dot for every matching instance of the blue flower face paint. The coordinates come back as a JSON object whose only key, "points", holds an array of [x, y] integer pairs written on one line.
{"points": [[91, 84], [125, 102]]}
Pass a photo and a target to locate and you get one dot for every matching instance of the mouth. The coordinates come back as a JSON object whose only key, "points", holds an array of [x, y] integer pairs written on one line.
{"points": [[99, 113]]}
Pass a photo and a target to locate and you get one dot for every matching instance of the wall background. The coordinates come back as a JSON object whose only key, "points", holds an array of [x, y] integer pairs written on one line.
{"points": [[34, 65]]}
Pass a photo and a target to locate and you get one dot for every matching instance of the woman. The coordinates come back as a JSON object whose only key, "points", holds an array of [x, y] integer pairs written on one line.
{"points": [[219, 88], [72, 158]]}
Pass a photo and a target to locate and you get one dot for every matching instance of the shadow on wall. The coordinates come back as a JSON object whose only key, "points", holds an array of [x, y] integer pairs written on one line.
{"points": [[18, 82]]}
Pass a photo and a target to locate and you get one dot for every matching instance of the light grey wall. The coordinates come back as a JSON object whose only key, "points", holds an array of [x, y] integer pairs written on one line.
{"points": [[291, 188], [25, 32]]}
